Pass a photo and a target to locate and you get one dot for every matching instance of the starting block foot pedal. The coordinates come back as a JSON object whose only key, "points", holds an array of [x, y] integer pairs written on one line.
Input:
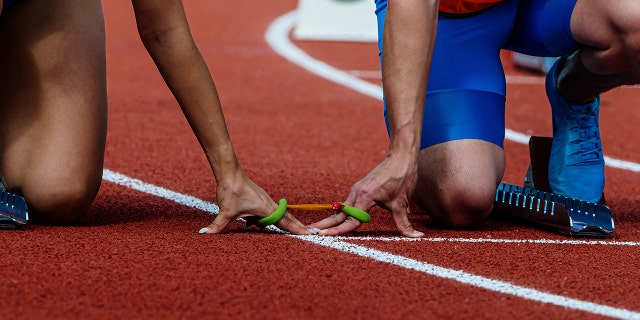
{"points": [[566, 215], [13, 211], [535, 203]]}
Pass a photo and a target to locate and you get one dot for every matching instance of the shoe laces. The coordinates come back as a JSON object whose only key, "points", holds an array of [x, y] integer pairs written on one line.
{"points": [[586, 120]]}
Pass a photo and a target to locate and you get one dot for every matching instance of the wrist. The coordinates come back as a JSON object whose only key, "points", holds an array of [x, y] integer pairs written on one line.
{"points": [[405, 141], [223, 161]]}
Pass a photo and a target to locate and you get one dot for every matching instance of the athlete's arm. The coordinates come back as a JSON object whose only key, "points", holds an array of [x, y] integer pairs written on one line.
{"points": [[409, 35], [164, 30]]}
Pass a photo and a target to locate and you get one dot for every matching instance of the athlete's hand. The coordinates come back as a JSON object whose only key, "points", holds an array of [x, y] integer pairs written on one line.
{"points": [[390, 186], [240, 197]]}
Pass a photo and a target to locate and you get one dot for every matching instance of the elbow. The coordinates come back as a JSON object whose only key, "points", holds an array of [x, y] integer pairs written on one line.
{"points": [[152, 37]]}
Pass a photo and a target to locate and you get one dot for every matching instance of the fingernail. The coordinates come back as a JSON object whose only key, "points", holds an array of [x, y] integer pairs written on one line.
{"points": [[204, 230], [418, 234], [314, 231]]}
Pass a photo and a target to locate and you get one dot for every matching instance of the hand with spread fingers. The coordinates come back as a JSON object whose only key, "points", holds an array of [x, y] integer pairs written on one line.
{"points": [[389, 185], [240, 197]]}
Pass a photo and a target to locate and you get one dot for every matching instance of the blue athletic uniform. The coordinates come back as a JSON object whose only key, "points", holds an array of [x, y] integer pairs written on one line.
{"points": [[466, 94]]}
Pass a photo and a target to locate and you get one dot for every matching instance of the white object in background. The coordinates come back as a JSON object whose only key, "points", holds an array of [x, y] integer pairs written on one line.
{"points": [[336, 20], [539, 64]]}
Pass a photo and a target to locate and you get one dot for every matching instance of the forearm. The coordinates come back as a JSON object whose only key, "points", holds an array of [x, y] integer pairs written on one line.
{"points": [[186, 75], [409, 36], [165, 33]]}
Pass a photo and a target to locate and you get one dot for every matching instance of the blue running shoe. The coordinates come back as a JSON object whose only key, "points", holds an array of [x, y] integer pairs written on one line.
{"points": [[576, 165]]}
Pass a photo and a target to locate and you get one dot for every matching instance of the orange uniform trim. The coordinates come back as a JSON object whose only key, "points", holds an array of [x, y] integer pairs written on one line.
{"points": [[465, 6]]}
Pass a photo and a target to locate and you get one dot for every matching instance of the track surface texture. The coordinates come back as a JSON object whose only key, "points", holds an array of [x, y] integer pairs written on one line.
{"points": [[307, 136]]}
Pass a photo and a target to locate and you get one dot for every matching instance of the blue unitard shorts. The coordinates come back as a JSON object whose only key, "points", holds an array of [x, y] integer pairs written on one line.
{"points": [[465, 97]]}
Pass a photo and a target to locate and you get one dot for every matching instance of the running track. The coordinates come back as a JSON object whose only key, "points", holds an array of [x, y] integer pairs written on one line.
{"points": [[305, 118]]}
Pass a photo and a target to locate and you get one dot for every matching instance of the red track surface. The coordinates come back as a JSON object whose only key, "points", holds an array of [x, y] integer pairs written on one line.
{"points": [[139, 256]]}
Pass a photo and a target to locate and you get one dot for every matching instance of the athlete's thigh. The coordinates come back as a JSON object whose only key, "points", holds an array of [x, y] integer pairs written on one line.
{"points": [[596, 22], [610, 33], [465, 96], [466, 51], [52, 93]]}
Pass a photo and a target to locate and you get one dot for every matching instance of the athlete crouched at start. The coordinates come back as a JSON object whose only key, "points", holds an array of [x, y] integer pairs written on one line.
{"points": [[445, 100], [53, 103]]}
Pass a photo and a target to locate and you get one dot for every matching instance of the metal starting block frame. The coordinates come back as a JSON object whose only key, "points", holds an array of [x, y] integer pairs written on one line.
{"points": [[534, 203], [13, 211], [566, 215]]}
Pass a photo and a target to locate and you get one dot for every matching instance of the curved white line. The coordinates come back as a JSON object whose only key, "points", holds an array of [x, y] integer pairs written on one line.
{"points": [[277, 36]]}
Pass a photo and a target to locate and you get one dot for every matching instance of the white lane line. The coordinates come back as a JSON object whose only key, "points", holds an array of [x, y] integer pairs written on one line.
{"points": [[473, 280], [193, 202], [430, 269], [622, 164], [491, 240], [157, 191], [277, 37]]}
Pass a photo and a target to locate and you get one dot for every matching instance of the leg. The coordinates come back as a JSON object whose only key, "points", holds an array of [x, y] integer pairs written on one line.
{"points": [[610, 56], [457, 181], [576, 166], [54, 106], [463, 161]]}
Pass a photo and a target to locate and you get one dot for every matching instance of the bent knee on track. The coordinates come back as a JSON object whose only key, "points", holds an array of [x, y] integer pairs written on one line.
{"points": [[459, 206], [61, 202]]}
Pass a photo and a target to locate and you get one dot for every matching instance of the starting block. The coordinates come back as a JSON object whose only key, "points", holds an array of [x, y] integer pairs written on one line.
{"points": [[536, 204], [13, 211]]}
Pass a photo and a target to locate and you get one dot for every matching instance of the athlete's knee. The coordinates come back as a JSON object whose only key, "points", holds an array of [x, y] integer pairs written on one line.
{"points": [[460, 205], [61, 202], [467, 207]]}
